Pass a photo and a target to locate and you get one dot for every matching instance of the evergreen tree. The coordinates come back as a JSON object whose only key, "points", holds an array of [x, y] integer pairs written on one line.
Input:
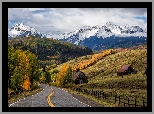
{"points": [[47, 77], [16, 79], [68, 76]]}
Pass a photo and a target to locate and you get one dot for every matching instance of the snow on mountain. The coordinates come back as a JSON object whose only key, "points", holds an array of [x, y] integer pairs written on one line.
{"points": [[106, 30], [20, 30], [105, 34]]}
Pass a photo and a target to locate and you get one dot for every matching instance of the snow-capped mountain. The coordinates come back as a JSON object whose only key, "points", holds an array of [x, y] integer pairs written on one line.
{"points": [[96, 37], [104, 31], [108, 35], [21, 30]]}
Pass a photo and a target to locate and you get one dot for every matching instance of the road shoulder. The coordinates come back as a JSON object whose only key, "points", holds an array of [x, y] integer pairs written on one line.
{"points": [[84, 99]]}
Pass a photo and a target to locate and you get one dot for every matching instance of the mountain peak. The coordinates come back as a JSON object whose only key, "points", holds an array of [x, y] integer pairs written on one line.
{"points": [[106, 30], [20, 30], [110, 23], [21, 23]]}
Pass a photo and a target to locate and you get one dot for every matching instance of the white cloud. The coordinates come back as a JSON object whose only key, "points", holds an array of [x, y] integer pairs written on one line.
{"points": [[69, 19], [35, 9]]}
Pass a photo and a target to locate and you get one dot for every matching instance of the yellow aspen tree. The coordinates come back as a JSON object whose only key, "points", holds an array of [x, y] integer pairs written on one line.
{"points": [[61, 75], [26, 84], [23, 65]]}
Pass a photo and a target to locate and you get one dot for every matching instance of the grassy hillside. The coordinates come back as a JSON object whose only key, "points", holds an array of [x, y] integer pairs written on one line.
{"points": [[50, 51], [102, 76]]}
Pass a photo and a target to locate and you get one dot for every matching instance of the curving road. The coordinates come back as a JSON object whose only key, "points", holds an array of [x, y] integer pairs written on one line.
{"points": [[60, 98]]}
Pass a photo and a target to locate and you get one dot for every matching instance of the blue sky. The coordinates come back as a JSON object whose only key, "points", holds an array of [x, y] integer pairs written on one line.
{"points": [[141, 17], [60, 20]]}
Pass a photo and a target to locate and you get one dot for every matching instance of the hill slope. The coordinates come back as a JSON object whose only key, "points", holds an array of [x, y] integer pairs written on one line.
{"points": [[102, 75], [50, 51]]}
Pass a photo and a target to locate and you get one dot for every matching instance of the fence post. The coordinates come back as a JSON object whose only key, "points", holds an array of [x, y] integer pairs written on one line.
{"points": [[144, 104], [95, 93], [98, 94], [128, 101], [80, 90], [101, 94], [84, 90], [119, 100], [135, 102], [106, 96], [77, 89], [88, 92], [92, 92]]}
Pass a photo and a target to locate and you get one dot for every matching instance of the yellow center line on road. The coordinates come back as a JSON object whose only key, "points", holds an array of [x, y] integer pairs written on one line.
{"points": [[48, 99]]}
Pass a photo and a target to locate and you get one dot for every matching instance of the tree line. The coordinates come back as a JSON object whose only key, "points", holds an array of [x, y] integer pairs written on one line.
{"points": [[50, 51], [24, 70], [95, 57]]}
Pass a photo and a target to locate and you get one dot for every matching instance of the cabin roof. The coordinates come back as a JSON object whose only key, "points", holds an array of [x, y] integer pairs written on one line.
{"points": [[123, 68], [77, 74]]}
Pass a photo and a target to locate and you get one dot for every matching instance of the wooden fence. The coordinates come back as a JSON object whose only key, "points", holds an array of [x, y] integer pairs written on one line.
{"points": [[121, 101]]}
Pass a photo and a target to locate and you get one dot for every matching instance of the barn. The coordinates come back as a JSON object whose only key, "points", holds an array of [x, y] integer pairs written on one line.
{"points": [[79, 77], [125, 70]]}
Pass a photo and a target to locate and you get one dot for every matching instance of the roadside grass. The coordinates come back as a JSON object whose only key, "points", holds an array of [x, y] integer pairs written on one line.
{"points": [[133, 81], [23, 94], [132, 94], [105, 104]]}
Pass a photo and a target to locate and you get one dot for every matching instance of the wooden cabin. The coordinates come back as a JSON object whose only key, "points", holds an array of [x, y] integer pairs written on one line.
{"points": [[79, 77], [125, 70]]}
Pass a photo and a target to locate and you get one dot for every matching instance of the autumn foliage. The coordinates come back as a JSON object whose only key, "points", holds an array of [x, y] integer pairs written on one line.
{"points": [[26, 84], [23, 68], [61, 75], [95, 58], [23, 63]]}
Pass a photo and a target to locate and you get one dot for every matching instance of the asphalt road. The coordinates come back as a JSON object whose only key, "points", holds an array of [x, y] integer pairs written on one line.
{"points": [[60, 98]]}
